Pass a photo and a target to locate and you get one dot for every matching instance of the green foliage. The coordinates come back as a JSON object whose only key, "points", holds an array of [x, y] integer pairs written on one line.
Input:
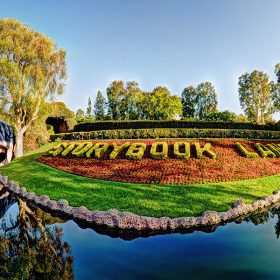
{"points": [[205, 150], [199, 102], [275, 148], [56, 150], [99, 106], [178, 153], [159, 150], [98, 150], [168, 133], [256, 96], [81, 150], [142, 199], [33, 70], [224, 116], [117, 149], [136, 151], [264, 151], [242, 150], [80, 114], [89, 109], [68, 150]]}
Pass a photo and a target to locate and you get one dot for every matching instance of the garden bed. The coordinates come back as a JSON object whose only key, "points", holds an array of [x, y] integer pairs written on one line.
{"points": [[229, 165]]}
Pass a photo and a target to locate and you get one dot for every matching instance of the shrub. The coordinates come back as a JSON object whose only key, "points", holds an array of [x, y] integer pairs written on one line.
{"points": [[242, 150], [159, 150], [117, 149], [179, 154], [136, 151], [275, 149], [56, 150], [82, 149], [168, 133], [68, 149], [98, 149], [264, 151], [205, 150]]}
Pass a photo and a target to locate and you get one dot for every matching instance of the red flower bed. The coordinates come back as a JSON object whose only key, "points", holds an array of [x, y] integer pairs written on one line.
{"points": [[228, 166]]}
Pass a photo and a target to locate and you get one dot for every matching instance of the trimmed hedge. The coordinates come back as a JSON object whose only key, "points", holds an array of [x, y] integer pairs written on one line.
{"points": [[264, 151], [136, 151], [242, 150], [148, 124], [204, 151], [179, 154], [168, 133], [117, 149], [159, 150]]}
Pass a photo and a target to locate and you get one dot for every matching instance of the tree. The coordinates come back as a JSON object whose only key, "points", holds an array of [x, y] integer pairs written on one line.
{"points": [[80, 114], [257, 96], [224, 116], [99, 106], [89, 108], [189, 99], [32, 70], [161, 105], [200, 101]]}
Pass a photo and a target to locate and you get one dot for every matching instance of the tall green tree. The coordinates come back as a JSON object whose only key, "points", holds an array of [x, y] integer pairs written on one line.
{"points": [[80, 114], [99, 106], [199, 102], [89, 108], [32, 70], [161, 105], [257, 96], [189, 99]]}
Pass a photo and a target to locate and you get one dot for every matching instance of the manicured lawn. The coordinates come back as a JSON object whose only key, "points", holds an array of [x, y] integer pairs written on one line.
{"points": [[149, 199]]}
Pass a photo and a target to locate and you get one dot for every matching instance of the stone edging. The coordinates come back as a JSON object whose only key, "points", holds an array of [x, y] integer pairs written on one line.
{"points": [[129, 221]]}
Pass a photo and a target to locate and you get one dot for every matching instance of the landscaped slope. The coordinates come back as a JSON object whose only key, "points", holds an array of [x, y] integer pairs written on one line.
{"points": [[151, 200], [173, 164]]}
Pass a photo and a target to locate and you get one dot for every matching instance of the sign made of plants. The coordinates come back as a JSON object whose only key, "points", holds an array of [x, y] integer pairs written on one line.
{"points": [[157, 150]]}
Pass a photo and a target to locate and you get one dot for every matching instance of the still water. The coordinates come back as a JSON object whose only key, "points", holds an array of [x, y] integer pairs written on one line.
{"points": [[36, 245]]}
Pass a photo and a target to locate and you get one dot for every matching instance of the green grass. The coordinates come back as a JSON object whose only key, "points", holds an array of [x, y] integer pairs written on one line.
{"points": [[150, 200]]}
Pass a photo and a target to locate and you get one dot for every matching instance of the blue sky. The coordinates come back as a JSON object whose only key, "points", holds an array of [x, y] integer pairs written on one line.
{"points": [[174, 43]]}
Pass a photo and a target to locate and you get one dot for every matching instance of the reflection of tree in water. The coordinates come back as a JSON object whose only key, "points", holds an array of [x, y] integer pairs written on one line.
{"points": [[30, 250]]}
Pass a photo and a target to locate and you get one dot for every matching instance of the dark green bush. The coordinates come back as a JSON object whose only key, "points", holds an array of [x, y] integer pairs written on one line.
{"points": [[244, 152]]}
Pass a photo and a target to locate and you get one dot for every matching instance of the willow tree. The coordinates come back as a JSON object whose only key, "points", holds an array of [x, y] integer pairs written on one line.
{"points": [[32, 71]]}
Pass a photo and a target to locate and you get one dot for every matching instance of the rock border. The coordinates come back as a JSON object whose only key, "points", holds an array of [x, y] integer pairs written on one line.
{"points": [[115, 219]]}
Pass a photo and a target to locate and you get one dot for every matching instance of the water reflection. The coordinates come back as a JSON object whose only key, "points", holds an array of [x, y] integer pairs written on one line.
{"points": [[29, 248], [35, 244]]}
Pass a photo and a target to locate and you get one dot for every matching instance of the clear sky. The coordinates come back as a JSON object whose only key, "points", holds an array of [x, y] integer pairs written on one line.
{"points": [[175, 43]]}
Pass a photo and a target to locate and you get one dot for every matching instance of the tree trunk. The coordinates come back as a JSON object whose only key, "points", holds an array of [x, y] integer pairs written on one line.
{"points": [[19, 144]]}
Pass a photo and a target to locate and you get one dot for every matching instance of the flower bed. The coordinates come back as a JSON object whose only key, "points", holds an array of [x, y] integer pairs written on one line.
{"points": [[186, 161]]}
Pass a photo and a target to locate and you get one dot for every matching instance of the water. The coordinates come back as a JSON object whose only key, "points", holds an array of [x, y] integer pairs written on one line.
{"points": [[248, 250]]}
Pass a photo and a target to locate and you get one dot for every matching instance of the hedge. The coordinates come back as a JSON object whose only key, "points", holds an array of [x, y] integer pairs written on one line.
{"points": [[168, 133], [136, 151], [242, 150], [205, 150], [159, 150], [117, 149], [149, 124], [179, 154], [264, 151]]}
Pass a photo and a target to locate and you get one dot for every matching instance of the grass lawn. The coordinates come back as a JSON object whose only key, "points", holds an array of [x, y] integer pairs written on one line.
{"points": [[149, 199]]}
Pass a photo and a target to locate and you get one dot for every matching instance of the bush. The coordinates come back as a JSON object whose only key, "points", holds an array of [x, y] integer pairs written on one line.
{"points": [[224, 116], [68, 149], [275, 149], [149, 124], [244, 152], [98, 149], [159, 150], [56, 150], [179, 154], [168, 133], [82, 149], [205, 150], [264, 151], [117, 149], [136, 151]]}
